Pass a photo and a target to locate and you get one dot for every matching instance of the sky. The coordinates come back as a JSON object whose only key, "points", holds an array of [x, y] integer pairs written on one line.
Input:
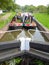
{"points": [[32, 2]]}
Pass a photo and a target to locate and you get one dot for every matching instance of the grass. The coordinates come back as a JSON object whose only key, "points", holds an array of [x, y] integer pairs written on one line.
{"points": [[4, 22], [43, 18]]}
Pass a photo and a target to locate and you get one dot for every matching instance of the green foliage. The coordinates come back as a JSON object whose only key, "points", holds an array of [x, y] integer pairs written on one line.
{"points": [[43, 18], [38, 62], [41, 9], [8, 5], [18, 60], [30, 8], [5, 3]]}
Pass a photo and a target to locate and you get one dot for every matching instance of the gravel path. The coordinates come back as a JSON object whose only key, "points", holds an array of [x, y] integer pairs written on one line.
{"points": [[5, 16], [6, 27], [2, 30]]}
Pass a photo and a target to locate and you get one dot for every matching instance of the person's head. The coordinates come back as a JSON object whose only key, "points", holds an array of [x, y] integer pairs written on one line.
{"points": [[14, 18], [11, 21]]}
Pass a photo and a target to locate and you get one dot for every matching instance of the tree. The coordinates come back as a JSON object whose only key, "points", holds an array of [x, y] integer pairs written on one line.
{"points": [[42, 9], [7, 5], [30, 8]]}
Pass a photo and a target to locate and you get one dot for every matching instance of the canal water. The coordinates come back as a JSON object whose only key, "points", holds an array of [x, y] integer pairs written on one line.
{"points": [[39, 35], [34, 35], [25, 36]]}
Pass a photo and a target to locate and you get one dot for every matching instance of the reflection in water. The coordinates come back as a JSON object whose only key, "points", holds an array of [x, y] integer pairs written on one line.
{"points": [[37, 36], [25, 43], [24, 34], [9, 36]]}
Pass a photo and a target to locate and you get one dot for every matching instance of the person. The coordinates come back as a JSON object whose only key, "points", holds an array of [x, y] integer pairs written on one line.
{"points": [[31, 19], [12, 23], [19, 16], [23, 20]]}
